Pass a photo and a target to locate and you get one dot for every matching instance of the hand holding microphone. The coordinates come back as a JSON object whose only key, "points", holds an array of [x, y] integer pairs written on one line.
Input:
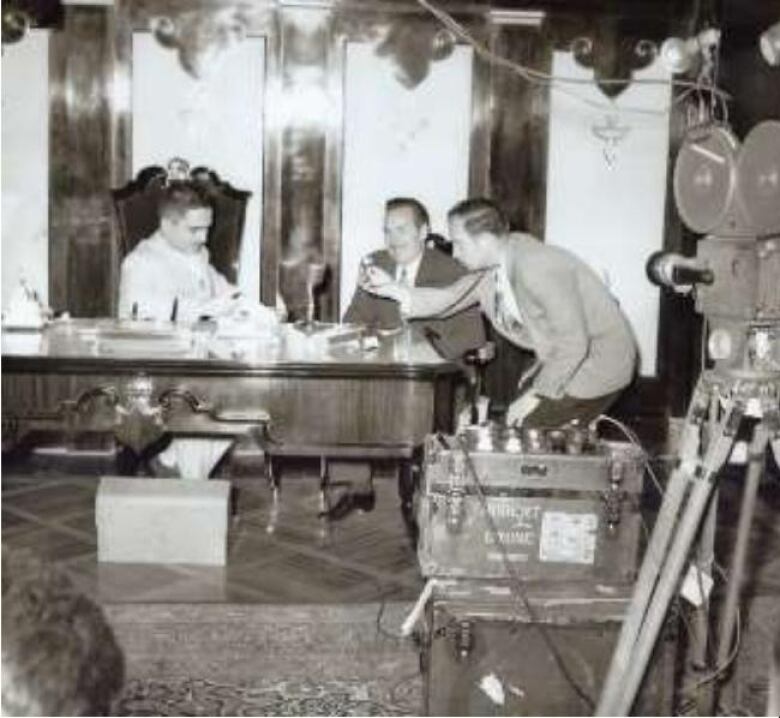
{"points": [[376, 280]]}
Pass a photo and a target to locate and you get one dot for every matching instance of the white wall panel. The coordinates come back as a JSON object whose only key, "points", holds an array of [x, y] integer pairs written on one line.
{"points": [[606, 187], [25, 137], [216, 121], [400, 142]]}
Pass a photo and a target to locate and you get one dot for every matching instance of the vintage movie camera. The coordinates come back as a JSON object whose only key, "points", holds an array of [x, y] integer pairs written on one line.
{"points": [[731, 194]]}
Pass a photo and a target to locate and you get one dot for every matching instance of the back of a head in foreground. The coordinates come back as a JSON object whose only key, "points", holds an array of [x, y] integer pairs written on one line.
{"points": [[59, 655]]}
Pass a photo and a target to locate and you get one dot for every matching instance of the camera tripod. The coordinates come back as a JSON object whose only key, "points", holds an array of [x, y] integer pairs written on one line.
{"points": [[720, 402]]}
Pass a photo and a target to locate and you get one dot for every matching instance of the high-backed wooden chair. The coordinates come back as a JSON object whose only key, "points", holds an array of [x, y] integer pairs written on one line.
{"points": [[136, 205]]}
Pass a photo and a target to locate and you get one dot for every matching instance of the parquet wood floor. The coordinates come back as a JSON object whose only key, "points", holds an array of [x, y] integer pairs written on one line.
{"points": [[363, 558]]}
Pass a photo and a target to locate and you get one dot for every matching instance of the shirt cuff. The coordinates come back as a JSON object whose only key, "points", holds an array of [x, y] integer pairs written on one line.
{"points": [[548, 386]]}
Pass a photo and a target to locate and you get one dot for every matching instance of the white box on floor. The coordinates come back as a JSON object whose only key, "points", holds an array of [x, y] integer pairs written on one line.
{"points": [[143, 520]]}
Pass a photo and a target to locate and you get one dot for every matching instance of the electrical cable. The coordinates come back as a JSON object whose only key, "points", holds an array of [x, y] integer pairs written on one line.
{"points": [[412, 709], [516, 584], [557, 83], [719, 670], [380, 629], [634, 439]]}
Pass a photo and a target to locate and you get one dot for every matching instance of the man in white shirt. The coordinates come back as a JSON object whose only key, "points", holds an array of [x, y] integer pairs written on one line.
{"points": [[168, 277]]}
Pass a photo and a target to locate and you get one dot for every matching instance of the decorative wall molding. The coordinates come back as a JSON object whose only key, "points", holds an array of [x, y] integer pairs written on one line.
{"points": [[200, 36], [413, 46], [19, 16], [613, 58]]}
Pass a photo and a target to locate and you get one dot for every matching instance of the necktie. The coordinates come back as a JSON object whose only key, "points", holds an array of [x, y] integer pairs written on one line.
{"points": [[505, 318], [403, 277], [498, 302]]}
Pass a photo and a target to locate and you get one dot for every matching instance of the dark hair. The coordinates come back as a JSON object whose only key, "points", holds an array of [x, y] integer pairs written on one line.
{"points": [[178, 198], [480, 215], [436, 241], [417, 207], [60, 656]]}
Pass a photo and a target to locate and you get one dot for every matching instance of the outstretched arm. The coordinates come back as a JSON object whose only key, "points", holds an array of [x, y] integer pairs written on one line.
{"points": [[422, 302]]}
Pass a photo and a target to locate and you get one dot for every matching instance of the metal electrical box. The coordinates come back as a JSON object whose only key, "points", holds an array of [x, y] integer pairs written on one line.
{"points": [[552, 512], [485, 654]]}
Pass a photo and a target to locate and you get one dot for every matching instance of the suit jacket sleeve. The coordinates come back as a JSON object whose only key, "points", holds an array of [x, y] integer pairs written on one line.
{"points": [[359, 310], [553, 288], [446, 301], [462, 330], [363, 307]]}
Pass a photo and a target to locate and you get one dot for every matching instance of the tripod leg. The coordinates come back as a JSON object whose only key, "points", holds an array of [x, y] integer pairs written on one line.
{"points": [[757, 457], [674, 499], [667, 583], [655, 554], [717, 453], [697, 664]]}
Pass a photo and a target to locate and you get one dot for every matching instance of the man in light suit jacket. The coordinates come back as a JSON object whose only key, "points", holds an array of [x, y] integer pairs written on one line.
{"points": [[409, 261], [541, 298]]}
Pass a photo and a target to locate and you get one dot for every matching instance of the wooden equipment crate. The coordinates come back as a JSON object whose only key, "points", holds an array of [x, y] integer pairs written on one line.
{"points": [[556, 515], [484, 654]]}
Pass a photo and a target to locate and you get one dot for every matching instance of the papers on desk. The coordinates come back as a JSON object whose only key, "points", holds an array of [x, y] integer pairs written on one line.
{"points": [[283, 343], [331, 334], [139, 344], [130, 338], [232, 327]]}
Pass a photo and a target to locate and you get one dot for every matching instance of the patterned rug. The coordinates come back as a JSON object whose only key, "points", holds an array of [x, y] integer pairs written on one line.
{"points": [[288, 698]]}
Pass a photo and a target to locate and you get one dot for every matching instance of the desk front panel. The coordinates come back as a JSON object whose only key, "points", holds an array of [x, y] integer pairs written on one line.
{"points": [[306, 405]]}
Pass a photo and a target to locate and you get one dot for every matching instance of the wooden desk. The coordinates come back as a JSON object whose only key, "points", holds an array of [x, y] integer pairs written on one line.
{"points": [[64, 378]]}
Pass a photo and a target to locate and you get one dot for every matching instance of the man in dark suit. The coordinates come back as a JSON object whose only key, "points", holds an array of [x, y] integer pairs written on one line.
{"points": [[406, 258]]}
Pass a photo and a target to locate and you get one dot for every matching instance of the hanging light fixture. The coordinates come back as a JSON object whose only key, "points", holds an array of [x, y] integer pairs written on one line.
{"points": [[681, 55]]}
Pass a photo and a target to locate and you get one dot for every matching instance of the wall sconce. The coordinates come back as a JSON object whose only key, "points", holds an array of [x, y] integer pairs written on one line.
{"points": [[769, 42], [16, 22], [18, 16], [200, 37], [680, 55]]}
